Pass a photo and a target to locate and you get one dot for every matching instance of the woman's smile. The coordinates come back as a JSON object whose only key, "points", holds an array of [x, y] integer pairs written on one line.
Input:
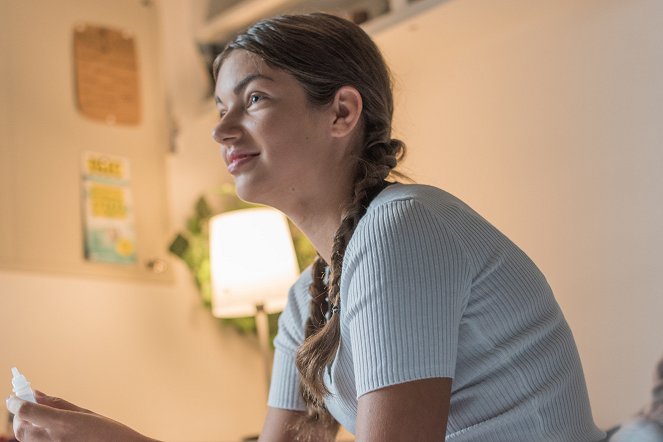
{"points": [[236, 160]]}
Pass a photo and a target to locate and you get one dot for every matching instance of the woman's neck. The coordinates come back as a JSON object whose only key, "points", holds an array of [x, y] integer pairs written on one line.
{"points": [[319, 219]]}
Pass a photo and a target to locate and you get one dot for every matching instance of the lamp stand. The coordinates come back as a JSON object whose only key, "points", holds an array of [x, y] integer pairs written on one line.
{"points": [[262, 326]]}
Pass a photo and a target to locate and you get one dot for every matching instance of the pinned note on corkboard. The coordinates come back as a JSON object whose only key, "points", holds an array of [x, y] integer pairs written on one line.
{"points": [[106, 75]]}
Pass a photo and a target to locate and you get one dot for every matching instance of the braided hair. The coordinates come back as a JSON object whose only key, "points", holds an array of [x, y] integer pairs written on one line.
{"points": [[324, 53]]}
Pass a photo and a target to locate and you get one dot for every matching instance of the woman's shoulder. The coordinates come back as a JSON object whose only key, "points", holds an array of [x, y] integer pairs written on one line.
{"points": [[421, 212], [295, 313], [420, 192], [299, 289], [426, 195], [399, 201], [409, 215], [298, 296]]}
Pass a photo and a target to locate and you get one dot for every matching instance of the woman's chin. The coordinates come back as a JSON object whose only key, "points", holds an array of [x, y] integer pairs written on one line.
{"points": [[247, 193], [263, 192]]}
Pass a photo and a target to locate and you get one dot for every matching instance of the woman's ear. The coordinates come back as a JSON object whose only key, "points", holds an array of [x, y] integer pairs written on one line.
{"points": [[347, 106]]}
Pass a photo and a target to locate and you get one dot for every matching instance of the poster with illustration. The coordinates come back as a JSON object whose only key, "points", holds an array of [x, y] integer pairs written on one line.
{"points": [[108, 210]]}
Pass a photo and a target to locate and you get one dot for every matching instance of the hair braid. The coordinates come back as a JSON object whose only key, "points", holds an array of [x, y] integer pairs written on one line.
{"points": [[323, 337], [319, 300]]}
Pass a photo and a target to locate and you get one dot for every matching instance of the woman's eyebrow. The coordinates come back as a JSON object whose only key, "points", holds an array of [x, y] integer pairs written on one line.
{"points": [[243, 83]]}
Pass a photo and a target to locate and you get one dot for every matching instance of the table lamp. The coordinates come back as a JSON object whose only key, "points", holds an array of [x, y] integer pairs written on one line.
{"points": [[253, 264]]}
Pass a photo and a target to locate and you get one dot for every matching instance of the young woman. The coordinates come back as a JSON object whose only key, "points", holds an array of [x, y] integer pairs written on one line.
{"points": [[418, 320]]}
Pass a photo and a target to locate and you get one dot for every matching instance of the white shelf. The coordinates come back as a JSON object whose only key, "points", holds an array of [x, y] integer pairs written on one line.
{"points": [[248, 11], [399, 12], [239, 15]]}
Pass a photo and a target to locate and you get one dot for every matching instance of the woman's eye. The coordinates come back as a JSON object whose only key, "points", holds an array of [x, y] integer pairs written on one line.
{"points": [[254, 98]]}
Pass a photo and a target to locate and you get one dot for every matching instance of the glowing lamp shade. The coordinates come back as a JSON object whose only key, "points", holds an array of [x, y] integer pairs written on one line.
{"points": [[253, 262]]}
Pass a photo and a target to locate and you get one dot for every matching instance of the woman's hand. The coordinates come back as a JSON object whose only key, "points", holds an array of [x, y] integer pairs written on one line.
{"points": [[54, 419]]}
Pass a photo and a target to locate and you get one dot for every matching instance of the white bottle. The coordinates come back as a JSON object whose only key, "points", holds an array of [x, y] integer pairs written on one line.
{"points": [[21, 386]]}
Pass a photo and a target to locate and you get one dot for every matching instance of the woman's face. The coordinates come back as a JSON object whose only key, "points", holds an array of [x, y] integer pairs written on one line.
{"points": [[274, 142]]}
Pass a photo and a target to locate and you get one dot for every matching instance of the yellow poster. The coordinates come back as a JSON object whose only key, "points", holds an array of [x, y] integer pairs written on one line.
{"points": [[108, 210]]}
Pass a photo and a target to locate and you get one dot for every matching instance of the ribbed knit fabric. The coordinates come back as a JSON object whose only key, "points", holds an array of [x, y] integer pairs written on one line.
{"points": [[431, 289]]}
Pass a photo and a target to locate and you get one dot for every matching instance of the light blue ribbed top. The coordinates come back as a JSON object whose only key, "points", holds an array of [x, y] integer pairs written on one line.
{"points": [[431, 289]]}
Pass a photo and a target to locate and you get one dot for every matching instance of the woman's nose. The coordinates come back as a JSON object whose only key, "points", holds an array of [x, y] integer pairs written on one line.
{"points": [[226, 130]]}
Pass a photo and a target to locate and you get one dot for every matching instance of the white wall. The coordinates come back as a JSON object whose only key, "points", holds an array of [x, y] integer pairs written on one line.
{"points": [[146, 354], [546, 117]]}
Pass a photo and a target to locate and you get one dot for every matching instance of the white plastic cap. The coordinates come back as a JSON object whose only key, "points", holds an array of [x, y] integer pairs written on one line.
{"points": [[19, 382], [22, 386]]}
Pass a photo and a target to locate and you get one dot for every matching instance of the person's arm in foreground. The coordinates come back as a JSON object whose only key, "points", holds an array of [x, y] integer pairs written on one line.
{"points": [[416, 410], [56, 419], [280, 426]]}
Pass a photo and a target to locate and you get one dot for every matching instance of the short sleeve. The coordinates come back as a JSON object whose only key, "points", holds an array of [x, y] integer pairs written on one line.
{"points": [[284, 388], [407, 281]]}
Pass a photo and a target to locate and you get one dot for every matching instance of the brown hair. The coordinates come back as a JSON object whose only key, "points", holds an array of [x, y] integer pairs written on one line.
{"points": [[324, 52]]}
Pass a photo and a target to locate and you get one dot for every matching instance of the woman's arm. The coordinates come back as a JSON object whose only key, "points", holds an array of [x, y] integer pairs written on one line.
{"points": [[281, 426], [56, 419], [416, 410]]}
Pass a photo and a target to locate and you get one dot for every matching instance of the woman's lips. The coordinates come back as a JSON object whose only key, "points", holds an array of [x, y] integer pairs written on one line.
{"points": [[235, 161]]}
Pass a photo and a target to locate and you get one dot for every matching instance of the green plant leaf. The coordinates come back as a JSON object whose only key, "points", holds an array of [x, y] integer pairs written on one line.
{"points": [[179, 246], [194, 226], [203, 210]]}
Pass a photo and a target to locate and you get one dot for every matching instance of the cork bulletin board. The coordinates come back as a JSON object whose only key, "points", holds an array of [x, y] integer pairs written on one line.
{"points": [[106, 75]]}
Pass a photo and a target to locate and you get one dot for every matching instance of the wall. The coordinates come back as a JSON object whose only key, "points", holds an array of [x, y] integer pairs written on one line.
{"points": [[146, 354], [545, 116], [44, 136]]}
